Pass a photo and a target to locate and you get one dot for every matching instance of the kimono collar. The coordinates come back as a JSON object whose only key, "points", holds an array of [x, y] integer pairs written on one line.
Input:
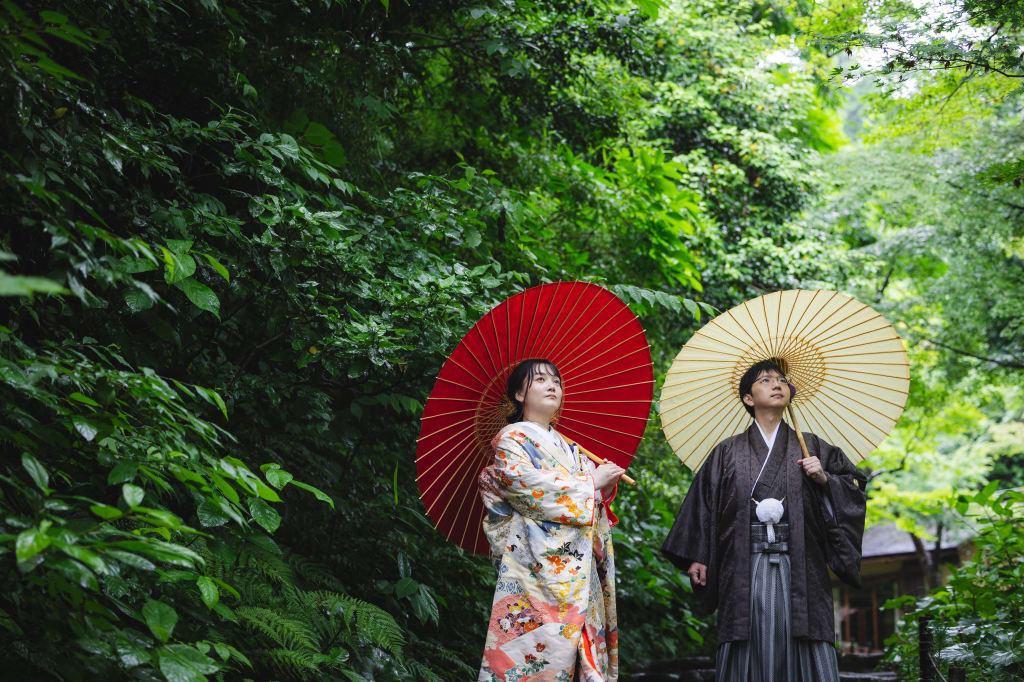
{"points": [[773, 460], [769, 440], [552, 444]]}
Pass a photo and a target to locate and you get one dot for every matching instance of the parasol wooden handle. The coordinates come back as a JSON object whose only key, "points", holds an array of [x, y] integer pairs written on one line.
{"points": [[597, 459], [799, 433]]}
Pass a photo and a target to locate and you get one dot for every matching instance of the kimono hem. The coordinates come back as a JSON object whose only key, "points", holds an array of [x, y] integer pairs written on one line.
{"points": [[771, 654]]}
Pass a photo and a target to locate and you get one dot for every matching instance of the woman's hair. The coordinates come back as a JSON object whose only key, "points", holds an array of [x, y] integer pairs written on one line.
{"points": [[521, 378], [756, 370]]}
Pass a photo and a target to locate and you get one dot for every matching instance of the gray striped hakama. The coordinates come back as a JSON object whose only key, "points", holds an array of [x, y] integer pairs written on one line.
{"points": [[771, 654]]}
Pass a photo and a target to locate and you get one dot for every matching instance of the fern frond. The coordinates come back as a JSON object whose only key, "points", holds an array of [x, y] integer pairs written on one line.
{"points": [[295, 598], [254, 591], [315, 574], [291, 661], [216, 567], [434, 651], [377, 625], [349, 606], [453, 659], [323, 610], [271, 567], [423, 672], [284, 631], [331, 603]]}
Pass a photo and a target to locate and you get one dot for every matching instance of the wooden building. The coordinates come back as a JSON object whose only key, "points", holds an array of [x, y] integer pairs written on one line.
{"points": [[890, 568]]}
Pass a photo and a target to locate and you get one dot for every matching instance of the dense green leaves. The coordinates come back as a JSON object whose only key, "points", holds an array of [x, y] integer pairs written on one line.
{"points": [[977, 615], [248, 236], [930, 208], [225, 294]]}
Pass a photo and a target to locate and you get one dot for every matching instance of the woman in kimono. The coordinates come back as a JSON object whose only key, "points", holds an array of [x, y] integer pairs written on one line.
{"points": [[553, 612]]}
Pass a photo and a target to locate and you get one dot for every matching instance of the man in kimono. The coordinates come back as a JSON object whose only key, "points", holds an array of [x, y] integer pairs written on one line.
{"points": [[553, 612], [757, 532]]}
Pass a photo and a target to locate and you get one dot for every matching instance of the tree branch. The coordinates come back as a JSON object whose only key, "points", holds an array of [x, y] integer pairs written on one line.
{"points": [[1009, 204], [959, 85], [885, 283], [1001, 363], [953, 60], [245, 361], [875, 474], [995, 32], [924, 557]]}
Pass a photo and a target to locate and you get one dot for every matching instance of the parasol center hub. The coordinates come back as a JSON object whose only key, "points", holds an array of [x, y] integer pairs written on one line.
{"points": [[801, 362]]}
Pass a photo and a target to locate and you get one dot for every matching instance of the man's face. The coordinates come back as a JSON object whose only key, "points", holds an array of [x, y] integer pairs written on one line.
{"points": [[770, 390]]}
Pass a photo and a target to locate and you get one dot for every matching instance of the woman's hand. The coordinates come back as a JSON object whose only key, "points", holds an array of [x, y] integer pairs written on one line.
{"points": [[607, 475]]}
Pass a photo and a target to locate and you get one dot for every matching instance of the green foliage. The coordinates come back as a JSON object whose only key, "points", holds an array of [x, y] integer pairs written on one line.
{"points": [[653, 595], [745, 154], [930, 207], [977, 615], [965, 37], [246, 238]]}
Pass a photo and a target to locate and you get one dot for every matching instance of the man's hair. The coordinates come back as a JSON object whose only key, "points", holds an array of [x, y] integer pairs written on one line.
{"points": [[756, 370], [520, 380]]}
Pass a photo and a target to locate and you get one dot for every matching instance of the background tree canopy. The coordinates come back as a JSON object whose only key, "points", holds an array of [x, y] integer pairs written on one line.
{"points": [[241, 238]]}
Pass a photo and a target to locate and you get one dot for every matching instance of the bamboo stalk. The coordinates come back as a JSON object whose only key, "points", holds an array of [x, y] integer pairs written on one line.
{"points": [[799, 434], [598, 460]]}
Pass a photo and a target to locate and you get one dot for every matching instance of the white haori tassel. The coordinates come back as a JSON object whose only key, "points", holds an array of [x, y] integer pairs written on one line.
{"points": [[769, 511]]}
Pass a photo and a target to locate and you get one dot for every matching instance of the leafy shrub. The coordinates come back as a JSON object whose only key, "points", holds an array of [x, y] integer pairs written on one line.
{"points": [[978, 616]]}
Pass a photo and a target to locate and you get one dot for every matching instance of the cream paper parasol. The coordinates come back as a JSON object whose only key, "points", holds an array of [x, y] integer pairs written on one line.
{"points": [[847, 362]]}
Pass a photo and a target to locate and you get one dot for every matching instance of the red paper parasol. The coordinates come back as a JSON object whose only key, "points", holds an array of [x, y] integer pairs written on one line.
{"points": [[600, 349]]}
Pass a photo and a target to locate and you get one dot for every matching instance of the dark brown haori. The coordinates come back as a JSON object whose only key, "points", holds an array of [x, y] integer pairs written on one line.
{"points": [[713, 528]]}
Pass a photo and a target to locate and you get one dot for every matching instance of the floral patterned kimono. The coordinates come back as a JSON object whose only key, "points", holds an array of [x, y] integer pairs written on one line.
{"points": [[553, 613]]}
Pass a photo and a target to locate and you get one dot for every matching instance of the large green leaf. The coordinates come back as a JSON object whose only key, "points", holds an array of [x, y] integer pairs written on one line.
{"points": [[132, 494], [216, 265], [424, 606], [211, 514], [201, 295], [276, 476], [133, 560], [183, 663], [334, 153], [29, 543], [37, 471], [406, 587], [316, 134], [317, 493], [264, 514], [105, 511], [208, 591], [160, 618], [178, 266], [85, 427], [18, 285]]}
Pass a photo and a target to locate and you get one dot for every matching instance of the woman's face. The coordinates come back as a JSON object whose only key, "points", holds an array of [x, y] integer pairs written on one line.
{"points": [[543, 396]]}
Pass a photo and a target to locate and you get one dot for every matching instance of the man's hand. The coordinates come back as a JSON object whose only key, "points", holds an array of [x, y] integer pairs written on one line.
{"points": [[698, 573], [606, 476], [813, 470]]}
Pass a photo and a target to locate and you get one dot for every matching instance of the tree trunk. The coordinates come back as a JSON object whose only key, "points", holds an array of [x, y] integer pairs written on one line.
{"points": [[929, 560]]}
